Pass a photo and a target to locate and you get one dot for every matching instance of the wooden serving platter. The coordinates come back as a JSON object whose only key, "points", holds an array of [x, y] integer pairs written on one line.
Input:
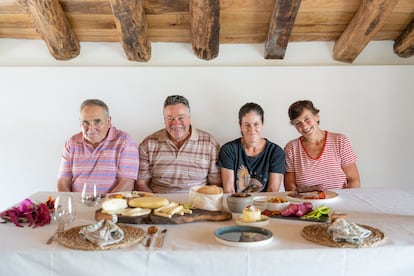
{"points": [[323, 218], [197, 215]]}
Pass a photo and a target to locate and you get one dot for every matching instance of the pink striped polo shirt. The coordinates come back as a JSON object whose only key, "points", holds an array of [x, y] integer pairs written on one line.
{"points": [[325, 170], [176, 170], [116, 156]]}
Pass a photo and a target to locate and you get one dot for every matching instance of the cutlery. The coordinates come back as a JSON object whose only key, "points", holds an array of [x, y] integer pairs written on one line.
{"points": [[151, 231], [59, 230], [160, 238]]}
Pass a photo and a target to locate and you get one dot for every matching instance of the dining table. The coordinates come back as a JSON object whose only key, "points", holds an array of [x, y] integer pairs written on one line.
{"points": [[192, 248]]}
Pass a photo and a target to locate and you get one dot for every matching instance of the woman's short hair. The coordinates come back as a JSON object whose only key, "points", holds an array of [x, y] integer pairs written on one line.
{"points": [[248, 107], [296, 109]]}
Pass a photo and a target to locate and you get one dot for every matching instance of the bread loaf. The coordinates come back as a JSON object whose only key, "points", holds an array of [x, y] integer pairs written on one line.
{"points": [[210, 190], [148, 202]]}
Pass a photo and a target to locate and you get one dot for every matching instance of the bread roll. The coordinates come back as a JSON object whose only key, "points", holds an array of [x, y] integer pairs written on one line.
{"points": [[210, 190], [148, 202]]}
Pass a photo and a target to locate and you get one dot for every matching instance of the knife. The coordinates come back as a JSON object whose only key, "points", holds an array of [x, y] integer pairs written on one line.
{"points": [[160, 239]]}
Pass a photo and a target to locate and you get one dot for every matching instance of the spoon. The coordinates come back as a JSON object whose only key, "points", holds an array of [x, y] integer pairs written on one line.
{"points": [[151, 230]]}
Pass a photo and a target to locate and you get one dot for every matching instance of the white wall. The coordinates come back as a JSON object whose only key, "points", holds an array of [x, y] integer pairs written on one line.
{"points": [[39, 110], [39, 105]]}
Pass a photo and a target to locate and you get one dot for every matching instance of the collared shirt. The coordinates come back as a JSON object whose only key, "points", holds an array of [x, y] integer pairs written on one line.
{"points": [[177, 170], [115, 157], [327, 169]]}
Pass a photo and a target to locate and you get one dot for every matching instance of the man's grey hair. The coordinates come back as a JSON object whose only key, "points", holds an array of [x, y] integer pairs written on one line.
{"points": [[95, 102], [176, 99]]}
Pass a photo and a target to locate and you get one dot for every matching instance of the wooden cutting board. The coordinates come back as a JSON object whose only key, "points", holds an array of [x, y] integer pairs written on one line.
{"points": [[197, 215]]}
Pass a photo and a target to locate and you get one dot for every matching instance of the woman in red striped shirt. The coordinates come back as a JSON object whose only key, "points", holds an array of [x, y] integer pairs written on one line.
{"points": [[318, 159]]}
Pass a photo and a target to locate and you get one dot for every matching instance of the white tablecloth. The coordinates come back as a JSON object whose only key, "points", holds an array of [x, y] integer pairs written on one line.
{"points": [[191, 249]]}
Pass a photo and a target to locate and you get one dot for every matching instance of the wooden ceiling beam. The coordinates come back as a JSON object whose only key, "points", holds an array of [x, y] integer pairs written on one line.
{"points": [[51, 23], [280, 28], [404, 44], [367, 21], [205, 27], [132, 26]]}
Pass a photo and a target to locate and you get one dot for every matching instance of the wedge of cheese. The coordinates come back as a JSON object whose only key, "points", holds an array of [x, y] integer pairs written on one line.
{"points": [[135, 212], [148, 202]]}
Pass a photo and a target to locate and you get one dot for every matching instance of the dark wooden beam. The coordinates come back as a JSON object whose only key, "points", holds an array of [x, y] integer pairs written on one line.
{"points": [[132, 26], [51, 23], [367, 21], [205, 27], [404, 44], [280, 27]]}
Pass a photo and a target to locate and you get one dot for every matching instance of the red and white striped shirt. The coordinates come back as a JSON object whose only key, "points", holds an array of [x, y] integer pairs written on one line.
{"points": [[327, 169]]}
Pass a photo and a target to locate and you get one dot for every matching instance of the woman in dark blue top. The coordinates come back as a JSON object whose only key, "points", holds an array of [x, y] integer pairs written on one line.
{"points": [[251, 163]]}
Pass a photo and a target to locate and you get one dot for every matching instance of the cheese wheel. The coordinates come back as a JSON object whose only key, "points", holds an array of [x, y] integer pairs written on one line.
{"points": [[148, 202], [113, 204]]}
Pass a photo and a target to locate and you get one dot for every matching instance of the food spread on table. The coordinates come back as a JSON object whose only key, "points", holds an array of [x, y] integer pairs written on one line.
{"points": [[159, 210], [146, 208]]}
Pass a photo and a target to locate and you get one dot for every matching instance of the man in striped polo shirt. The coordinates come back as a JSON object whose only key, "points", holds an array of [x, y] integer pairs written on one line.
{"points": [[100, 153], [179, 156]]}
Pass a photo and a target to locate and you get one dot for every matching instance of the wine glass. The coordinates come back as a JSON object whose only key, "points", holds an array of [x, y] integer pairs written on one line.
{"points": [[90, 196], [65, 210]]}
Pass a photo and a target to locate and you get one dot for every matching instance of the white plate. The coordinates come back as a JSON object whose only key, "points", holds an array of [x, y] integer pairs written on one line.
{"points": [[330, 196], [243, 236], [262, 222]]}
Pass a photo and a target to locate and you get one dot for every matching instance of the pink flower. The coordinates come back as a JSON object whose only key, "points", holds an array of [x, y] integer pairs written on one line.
{"points": [[27, 206]]}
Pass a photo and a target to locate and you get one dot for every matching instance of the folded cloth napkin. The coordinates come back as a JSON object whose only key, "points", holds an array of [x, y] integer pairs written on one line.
{"points": [[343, 231], [102, 233]]}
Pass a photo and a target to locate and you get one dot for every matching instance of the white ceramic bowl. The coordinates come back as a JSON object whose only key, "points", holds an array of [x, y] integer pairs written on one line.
{"points": [[276, 206]]}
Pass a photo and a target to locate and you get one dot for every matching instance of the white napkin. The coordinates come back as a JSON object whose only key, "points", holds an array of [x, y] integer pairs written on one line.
{"points": [[343, 231], [102, 233]]}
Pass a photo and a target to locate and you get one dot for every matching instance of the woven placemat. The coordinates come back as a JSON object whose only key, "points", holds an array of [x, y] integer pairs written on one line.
{"points": [[318, 233], [71, 238]]}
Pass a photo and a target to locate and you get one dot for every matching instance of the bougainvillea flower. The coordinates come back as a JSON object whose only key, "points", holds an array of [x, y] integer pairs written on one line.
{"points": [[27, 206]]}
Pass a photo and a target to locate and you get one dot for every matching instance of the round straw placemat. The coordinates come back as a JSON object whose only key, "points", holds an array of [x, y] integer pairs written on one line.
{"points": [[71, 238], [318, 233]]}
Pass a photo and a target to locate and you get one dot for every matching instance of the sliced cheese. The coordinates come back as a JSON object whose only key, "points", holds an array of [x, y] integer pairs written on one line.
{"points": [[148, 202]]}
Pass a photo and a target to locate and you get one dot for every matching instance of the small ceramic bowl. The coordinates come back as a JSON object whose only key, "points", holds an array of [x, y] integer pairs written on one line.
{"points": [[237, 202]]}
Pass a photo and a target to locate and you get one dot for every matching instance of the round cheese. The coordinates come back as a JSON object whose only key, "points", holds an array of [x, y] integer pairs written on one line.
{"points": [[148, 202], [114, 204]]}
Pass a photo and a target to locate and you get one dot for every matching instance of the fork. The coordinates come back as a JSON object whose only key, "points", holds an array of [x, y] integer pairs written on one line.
{"points": [[59, 230]]}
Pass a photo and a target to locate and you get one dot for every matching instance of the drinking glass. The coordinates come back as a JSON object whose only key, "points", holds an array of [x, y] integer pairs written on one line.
{"points": [[90, 196], [65, 210]]}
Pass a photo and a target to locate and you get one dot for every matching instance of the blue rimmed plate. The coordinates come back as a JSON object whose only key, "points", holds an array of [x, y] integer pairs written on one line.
{"points": [[243, 236]]}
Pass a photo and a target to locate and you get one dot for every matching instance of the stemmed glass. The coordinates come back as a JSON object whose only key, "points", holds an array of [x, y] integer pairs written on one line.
{"points": [[65, 213], [65, 210], [90, 196]]}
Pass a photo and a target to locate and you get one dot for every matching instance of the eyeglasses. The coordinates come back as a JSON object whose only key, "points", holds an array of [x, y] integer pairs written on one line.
{"points": [[97, 123]]}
